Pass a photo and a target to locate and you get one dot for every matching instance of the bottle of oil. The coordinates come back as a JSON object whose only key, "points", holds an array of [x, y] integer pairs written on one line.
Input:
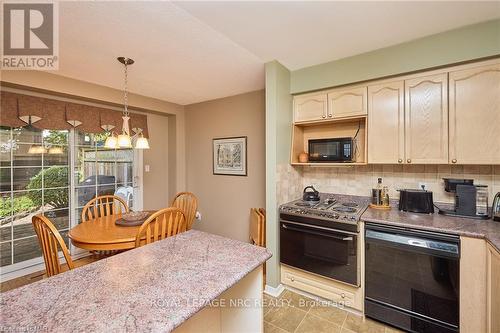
{"points": [[385, 196], [377, 193]]}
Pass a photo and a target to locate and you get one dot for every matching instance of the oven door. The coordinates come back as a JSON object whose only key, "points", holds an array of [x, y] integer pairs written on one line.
{"points": [[324, 251]]}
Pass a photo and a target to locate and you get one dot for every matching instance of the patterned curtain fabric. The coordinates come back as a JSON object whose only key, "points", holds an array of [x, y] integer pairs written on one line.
{"points": [[8, 112], [18, 110]]}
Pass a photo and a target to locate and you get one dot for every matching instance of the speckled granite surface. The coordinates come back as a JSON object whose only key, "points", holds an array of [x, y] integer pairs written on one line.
{"points": [[488, 229], [154, 288]]}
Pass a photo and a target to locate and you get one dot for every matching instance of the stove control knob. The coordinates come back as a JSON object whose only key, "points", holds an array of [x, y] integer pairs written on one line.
{"points": [[353, 218]]}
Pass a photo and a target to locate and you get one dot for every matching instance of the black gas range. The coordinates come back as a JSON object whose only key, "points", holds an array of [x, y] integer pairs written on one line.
{"points": [[322, 236], [328, 211]]}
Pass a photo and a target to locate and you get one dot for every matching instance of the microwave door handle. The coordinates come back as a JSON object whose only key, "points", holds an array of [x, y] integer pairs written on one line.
{"points": [[311, 232]]}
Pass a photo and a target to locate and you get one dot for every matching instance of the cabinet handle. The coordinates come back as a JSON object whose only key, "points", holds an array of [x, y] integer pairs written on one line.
{"points": [[342, 295], [408, 160], [400, 160], [330, 115], [292, 279], [453, 161], [324, 116]]}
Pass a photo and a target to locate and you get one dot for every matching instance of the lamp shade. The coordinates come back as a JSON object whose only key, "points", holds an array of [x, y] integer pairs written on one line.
{"points": [[111, 142], [142, 143], [124, 141]]}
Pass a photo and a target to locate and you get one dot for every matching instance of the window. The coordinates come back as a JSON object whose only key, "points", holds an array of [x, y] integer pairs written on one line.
{"points": [[101, 171], [35, 179]]}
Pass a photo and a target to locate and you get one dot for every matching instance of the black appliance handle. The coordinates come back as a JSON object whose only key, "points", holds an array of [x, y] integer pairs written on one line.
{"points": [[314, 232], [414, 243]]}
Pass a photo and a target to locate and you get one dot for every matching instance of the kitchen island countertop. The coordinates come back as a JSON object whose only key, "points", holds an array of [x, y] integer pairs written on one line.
{"points": [[154, 288], [487, 229]]}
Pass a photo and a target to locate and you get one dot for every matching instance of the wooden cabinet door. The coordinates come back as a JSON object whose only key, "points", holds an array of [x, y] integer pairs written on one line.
{"points": [[347, 102], [310, 107], [386, 122], [475, 115], [493, 291], [426, 120]]}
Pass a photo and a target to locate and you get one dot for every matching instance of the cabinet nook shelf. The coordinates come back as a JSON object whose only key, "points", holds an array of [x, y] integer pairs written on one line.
{"points": [[334, 128]]}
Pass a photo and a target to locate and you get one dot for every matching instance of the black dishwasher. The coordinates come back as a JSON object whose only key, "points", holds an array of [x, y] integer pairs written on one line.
{"points": [[412, 279]]}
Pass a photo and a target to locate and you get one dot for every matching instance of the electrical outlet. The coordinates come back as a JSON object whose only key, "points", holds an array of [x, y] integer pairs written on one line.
{"points": [[422, 186], [198, 216]]}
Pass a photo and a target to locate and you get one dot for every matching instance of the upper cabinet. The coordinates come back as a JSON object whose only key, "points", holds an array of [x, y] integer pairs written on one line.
{"points": [[444, 116], [386, 122], [347, 102], [426, 119], [475, 115], [310, 107]]}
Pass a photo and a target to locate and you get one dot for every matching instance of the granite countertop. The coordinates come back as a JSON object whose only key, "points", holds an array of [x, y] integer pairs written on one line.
{"points": [[487, 229], [154, 288]]}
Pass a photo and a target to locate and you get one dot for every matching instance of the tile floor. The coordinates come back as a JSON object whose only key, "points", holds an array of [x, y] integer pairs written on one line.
{"points": [[292, 312]]}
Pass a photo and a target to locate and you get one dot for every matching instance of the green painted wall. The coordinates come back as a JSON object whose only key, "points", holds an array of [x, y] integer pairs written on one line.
{"points": [[278, 130], [467, 43]]}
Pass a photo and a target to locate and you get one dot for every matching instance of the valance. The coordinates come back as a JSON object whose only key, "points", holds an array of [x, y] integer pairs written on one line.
{"points": [[8, 113], [18, 110]]}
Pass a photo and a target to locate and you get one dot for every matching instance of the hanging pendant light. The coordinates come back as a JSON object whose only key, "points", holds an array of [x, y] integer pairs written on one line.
{"points": [[124, 140]]}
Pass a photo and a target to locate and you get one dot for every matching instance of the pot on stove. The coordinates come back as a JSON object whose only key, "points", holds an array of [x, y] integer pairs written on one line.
{"points": [[310, 194]]}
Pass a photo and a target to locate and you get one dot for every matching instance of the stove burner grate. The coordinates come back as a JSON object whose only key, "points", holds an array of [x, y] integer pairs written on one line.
{"points": [[305, 204], [345, 209]]}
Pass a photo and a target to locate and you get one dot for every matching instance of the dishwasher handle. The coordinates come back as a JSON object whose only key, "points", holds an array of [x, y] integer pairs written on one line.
{"points": [[416, 244]]}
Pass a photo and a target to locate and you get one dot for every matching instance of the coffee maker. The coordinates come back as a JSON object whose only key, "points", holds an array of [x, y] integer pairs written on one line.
{"points": [[471, 200]]}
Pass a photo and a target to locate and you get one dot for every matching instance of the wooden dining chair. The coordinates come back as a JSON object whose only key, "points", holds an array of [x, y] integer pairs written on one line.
{"points": [[162, 224], [188, 203], [50, 240], [104, 205]]}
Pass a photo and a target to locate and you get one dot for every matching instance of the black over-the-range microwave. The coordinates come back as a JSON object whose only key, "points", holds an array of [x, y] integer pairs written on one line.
{"points": [[331, 150]]}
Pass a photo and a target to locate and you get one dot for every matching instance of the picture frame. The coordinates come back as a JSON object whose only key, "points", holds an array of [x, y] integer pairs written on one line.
{"points": [[229, 156]]}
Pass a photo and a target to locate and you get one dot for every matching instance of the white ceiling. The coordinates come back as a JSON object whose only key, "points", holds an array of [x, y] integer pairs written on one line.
{"points": [[188, 52]]}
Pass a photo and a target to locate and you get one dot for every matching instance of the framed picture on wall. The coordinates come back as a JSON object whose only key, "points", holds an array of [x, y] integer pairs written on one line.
{"points": [[230, 156]]}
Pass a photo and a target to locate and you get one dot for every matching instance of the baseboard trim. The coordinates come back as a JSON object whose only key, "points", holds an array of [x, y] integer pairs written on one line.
{"points": [[274, 291]]}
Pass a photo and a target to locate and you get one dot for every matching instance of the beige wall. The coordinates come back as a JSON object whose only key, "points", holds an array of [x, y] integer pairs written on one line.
{"points": [[225, 201], [156, 181], [167, 154]]}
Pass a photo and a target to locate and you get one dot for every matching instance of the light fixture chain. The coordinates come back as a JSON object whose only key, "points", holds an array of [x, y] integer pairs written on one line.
{"points": [[125, 91]]}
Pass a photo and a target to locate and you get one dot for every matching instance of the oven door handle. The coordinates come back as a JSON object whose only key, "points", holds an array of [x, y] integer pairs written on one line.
{"points": [[310, 226], [318, 233]]}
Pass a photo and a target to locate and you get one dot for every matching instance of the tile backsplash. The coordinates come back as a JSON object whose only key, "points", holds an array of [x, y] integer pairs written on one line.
{"points": [[359, 180]]}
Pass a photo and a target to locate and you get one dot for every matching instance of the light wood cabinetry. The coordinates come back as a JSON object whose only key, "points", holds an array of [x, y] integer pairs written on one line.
{"points": [[445, 116], [310, 107], [475, 115], [426, 119], [386, 122], [493, 291], [347, 102], [473, 270]]}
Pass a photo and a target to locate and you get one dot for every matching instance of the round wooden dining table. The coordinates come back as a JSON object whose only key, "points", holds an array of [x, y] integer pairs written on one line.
{"points": [[103, 234]]}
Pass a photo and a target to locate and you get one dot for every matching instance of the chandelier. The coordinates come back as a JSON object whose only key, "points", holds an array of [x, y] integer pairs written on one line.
{"points": [[124, 140]]}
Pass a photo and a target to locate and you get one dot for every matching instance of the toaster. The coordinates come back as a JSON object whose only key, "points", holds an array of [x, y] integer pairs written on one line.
{"points": [[416, 201]]}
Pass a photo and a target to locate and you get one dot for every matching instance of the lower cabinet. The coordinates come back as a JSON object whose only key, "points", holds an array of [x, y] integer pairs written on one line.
{"points": [[493, 290], [479, 286], [334, 291]]}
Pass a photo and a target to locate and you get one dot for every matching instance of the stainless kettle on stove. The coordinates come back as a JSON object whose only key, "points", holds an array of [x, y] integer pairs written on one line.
{"points": [[312, 195], [495, 208]]}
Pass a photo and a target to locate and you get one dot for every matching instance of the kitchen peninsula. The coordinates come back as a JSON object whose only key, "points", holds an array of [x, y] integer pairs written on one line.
{"points": [[186, 282]]}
